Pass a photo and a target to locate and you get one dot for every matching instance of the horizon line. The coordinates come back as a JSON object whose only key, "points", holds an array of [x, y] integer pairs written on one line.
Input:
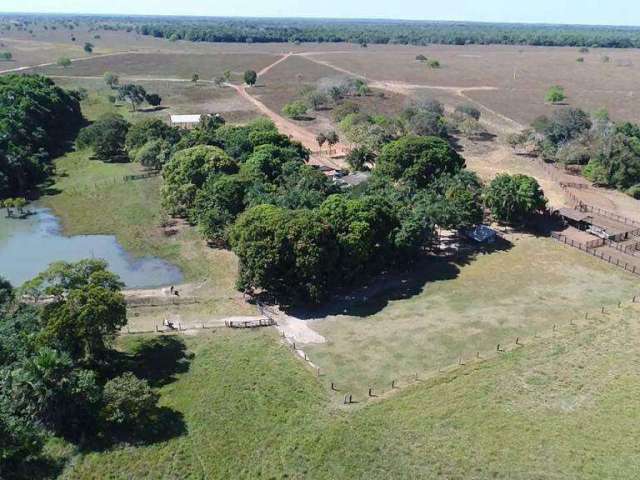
{"points": [[312, 17]]}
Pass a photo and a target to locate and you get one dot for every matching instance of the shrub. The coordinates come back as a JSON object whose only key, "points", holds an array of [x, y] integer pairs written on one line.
{"points": [[296, 110], [468, 110], [128, 401]]}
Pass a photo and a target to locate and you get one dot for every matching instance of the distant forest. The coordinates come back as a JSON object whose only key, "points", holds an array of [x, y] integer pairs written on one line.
{"points": [[260, 30]]}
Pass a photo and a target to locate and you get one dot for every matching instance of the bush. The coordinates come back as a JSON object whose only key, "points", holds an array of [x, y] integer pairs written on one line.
{"points": [[555, 94], [634, 191], [295, 110], [468, 110], [343, 110], [128, 402]]}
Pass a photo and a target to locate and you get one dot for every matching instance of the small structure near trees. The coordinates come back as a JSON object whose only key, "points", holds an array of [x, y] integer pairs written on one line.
{"points": [[185, 121]]}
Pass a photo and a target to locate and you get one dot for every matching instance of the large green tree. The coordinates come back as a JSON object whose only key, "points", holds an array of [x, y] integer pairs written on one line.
{"points": [[418, 161], [37, 119], [514, 198], [187, 171]]}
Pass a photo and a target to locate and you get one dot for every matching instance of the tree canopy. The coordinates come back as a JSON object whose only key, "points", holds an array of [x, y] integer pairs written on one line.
{"points": [[37, 119]]}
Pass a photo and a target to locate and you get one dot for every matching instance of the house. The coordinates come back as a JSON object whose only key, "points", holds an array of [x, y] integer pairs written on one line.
{"points": [[185, 121]]}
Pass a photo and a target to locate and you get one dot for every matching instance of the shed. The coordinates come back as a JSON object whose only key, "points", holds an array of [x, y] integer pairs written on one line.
{"points": [[576, 218], [185, 121]]}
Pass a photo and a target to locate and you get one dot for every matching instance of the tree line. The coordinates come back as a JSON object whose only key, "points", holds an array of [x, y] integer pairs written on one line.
{"points": [[37, 120], [604, 151], [386, 32]]}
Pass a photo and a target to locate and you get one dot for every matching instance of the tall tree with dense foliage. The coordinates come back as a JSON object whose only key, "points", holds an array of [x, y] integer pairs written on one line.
{"points": [[186, 172], [37, 119], [418, 160], [250, 77], [107, 137], [134, 94], [86, 309], [514, 198]]}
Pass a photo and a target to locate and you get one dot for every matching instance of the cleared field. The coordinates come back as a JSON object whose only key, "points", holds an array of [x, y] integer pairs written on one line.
{"points": [[522, 74], [158, 65], [445, 310], [243, 407]]}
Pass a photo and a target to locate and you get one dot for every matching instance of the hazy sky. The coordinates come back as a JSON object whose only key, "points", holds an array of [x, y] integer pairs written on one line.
{"points": [[610, 12]]}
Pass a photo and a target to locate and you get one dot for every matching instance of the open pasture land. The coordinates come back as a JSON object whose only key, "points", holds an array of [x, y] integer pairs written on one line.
{"points": [[521, 74], [243, 407], [446, 310], [166, 65]]}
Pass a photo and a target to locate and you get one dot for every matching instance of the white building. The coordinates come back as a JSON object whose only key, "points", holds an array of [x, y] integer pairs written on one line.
{"points": [[185, 121]]}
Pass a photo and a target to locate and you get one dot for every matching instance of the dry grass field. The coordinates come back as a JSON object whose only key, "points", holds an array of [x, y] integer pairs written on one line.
{"points": [[447, 310]]}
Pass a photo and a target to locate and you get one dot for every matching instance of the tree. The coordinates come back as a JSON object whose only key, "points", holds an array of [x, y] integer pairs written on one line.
{"points": [[64, 62], [111, 79], [555, 94], [134, 94], [250, 77], [226, 75], [86, 311], [295, 110], [433, 64], [153, 99], [220, 200], [154, 154], [107, 137], [6, 56], [144, 131], [195, 77], [514, 198], [565, 125], [289, 254], [359, 157], [321, 140], [88, 47], [332, 139], [418, 161], [129, 402], [187, 171]]}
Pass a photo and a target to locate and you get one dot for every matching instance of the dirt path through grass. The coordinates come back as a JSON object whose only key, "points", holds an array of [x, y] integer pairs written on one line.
{"points": [[79, 59]]}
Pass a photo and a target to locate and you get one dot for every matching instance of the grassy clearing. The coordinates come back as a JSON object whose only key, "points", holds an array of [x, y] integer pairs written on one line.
{"points": [[564, 407], [444, 311]]}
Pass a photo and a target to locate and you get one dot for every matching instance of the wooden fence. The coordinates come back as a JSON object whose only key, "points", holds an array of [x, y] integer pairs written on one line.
{"points": [[263, 322], [593, 251]]}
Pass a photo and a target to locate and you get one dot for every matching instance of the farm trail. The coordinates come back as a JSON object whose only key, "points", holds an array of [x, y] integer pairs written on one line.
{"points": [[406, 89], [49, 64]]}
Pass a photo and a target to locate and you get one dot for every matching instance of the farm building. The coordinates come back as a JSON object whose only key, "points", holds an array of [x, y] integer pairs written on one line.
{"points": [[185, 121]]}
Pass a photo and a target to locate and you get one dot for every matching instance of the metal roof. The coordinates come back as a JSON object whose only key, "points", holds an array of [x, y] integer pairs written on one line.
{"points": [[185, 118], [574, 215]]}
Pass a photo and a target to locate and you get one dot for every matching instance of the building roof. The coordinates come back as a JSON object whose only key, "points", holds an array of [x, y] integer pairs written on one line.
{"points": [[185, 118], [574, 215], [356, 178]]}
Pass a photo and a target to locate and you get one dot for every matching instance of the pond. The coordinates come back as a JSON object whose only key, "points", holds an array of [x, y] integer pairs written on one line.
{"points": [[29, 245]]}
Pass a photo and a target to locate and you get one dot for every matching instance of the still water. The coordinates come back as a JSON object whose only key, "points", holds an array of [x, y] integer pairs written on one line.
{"points": [[28, 246]]}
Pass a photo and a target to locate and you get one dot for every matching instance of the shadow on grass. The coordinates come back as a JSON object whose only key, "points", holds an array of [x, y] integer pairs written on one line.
{"points": [[41, 467], [159, 359], [373, 297]]}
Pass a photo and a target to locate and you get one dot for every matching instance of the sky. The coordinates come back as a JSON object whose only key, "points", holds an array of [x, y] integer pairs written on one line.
{"points": [[598, 12]]}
